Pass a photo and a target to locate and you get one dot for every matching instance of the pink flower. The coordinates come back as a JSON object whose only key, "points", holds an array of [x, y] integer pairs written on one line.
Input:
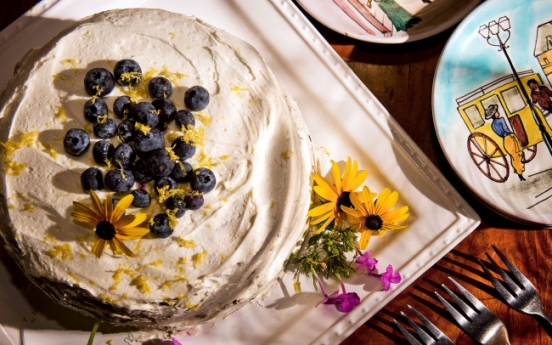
{"points": [[344, 302], [390, 277], [175, 342], [364, 260]]}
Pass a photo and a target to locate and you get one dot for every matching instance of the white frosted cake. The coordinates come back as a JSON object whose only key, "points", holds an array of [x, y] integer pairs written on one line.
{"points": [[251, 136]]}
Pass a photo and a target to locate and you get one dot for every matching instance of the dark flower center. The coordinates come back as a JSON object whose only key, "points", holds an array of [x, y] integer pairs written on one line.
{"points": [[344, 200], [373, 222], [105, 230]]}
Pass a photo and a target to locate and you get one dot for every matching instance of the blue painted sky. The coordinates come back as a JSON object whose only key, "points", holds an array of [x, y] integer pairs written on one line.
{"points": [[469, 61]]}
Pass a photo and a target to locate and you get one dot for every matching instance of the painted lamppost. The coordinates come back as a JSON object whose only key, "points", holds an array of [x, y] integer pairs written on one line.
{"points": [[497, 34]]}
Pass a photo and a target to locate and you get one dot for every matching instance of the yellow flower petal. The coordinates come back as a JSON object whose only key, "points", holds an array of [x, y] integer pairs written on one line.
{"points": [[323, 182], [112, 246], [368, 202], [121, 207], [83, 209], [122, 246], [346, 175], [351, 211], [130, 221], [98, 247], [321, 209], [85, 218], [97, 204], [132, 233], [325, 193], [393, 227], [396, 216], [325, 225], [358, 180], [364, 239], [321, 219], [337, 177], [386, 200], [357, 203]]}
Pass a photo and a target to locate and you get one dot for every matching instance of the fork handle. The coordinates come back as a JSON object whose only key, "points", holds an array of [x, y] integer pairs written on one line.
{"points": [[544, 316]]}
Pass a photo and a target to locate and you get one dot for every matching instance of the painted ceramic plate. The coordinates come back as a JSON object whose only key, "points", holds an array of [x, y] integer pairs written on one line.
{"points": [[492, 104], [388, 21]]}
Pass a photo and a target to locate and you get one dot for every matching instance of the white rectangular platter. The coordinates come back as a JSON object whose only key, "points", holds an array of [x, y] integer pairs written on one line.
{"points": [[342, 116]]}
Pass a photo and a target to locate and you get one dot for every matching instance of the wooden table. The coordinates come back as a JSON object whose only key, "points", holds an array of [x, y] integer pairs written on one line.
{"points": [[401, 77]]}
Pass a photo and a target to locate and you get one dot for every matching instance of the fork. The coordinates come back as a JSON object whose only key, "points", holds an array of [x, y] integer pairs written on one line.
{"points": [[481, 325], [519, 293], [438, 338]]}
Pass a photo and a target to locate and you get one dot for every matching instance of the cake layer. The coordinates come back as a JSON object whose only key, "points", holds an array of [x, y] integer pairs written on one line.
{"points": [[251, 136]]}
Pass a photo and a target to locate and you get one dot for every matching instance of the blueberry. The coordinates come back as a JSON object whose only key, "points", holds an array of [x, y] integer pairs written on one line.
{"points": [[99, 82], [184, 118], [105, 130], [160, 87], [196, 98], [203, 180], [124, 155], [141, 198], [92, 178], [145, 143], [162, 182], [118, 180], [145, 113], [159, 163], [182, 149], [194, 201], [177, 205], [76, 141], [125, 131], [94, 108], [102, 152], [122, 107], [140, 172], [165, 111], [127, 72], [181, 172], [160, 227]]}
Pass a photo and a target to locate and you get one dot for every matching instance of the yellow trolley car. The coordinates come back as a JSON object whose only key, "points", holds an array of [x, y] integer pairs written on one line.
{"points": [[484, 145]]}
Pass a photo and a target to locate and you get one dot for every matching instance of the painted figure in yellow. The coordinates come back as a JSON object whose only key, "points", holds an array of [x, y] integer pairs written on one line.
{"points": [[512, 145]]}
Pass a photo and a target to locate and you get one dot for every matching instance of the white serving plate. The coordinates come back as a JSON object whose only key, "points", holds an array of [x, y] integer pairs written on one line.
{"points": [[341, 114]]}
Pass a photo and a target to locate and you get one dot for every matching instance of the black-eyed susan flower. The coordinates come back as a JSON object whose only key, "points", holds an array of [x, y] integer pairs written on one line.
{"points": [[110, 223], [336, 194], [374, 217]]}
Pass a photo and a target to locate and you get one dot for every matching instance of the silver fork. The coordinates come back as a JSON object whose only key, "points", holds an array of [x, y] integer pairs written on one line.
{"points": [[436, 338], [519, 293], [480, 324]]}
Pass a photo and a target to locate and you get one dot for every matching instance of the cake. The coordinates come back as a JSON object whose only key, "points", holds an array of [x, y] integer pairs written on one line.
{"points": [[253, 138]]}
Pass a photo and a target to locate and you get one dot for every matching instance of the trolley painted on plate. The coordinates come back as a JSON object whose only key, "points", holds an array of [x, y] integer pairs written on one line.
{"points": [[485, 147]]}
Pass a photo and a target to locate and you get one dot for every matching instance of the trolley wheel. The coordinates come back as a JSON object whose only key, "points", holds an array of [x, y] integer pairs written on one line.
{"points": [[529, 153], [488, 157]]}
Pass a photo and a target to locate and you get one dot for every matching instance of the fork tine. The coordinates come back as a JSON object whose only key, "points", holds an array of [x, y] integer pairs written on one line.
{"points": [[468, 310], [426, 338], [407, 334], [461, 319], [513, 269], [430, 326], [507, 295], [474, 301], [514, 287]]}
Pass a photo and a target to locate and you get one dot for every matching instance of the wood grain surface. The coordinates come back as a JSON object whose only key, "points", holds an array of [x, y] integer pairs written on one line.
{"points": [[401, 77]]}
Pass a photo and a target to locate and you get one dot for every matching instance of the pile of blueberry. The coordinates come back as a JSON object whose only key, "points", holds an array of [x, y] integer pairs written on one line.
{"points": [[141, 155]]}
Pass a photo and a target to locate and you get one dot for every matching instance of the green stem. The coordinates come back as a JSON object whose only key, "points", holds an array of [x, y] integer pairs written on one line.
{"points": [[93, 333]]}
